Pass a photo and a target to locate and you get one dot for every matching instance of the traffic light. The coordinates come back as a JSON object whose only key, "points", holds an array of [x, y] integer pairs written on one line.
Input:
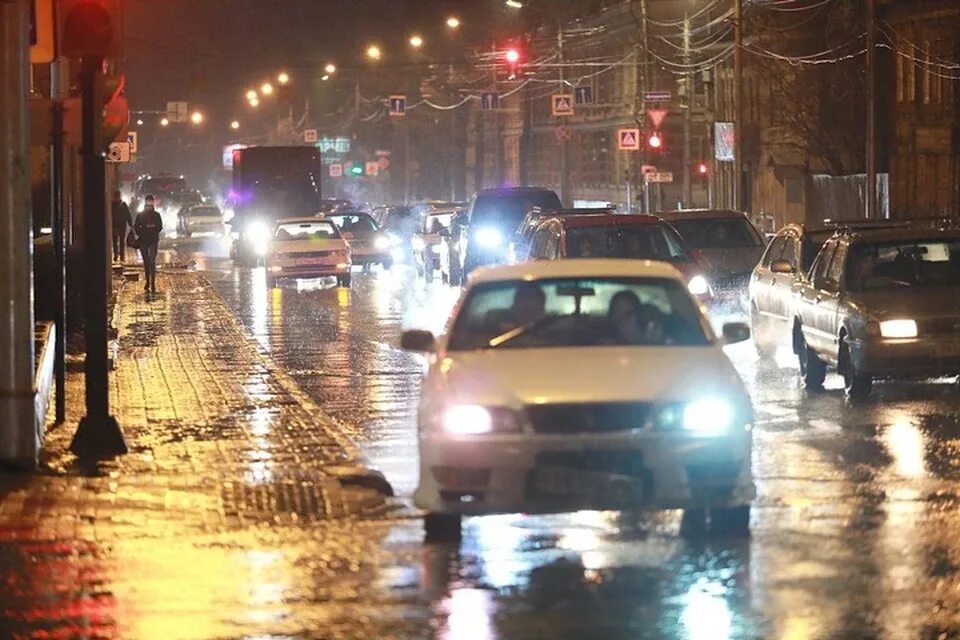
{"points": [[512, 57], [356, 169], [90, 28], [655, 141], [116, 109], [702, 169]]}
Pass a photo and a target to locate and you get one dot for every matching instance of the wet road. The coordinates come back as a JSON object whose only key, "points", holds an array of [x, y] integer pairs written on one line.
{"points": [[854, 531]]}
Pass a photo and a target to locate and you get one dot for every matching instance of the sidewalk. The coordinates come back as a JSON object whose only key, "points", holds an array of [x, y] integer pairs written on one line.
{"points": [[221, 442]]}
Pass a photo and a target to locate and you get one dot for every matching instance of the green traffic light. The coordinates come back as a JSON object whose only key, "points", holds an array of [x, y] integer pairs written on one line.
{"points": [[356, 170]]}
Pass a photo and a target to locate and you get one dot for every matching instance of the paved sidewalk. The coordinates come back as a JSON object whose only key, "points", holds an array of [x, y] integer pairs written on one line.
{"points": [[221, 443]]}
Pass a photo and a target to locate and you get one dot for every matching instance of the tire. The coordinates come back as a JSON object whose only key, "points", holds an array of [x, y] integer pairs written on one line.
{"points": [[442, 527], [813, 370], [693, 523], [857, 385], [732, 521], [344, 281]]}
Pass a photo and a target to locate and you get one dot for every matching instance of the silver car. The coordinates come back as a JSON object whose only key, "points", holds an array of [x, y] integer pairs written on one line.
{"points": [[881, 303]]}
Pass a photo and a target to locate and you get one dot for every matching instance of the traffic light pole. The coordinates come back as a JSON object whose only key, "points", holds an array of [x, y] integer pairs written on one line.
{"points": [[98, 435]]}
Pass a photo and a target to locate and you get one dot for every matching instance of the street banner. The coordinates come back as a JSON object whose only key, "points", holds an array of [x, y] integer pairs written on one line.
{"points": [[724, 141]]}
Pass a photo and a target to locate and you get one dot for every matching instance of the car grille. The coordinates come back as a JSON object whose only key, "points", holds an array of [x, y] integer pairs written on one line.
{"points": [[587, 418], [731, 282], [934, 326], [311, 254]]}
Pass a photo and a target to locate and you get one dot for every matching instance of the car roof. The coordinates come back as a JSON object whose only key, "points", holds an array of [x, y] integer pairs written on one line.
{"points": [[893, 234], [334, 214], [699, 214], [608, 220], [506, 191], [579, 268], [301, 219]]}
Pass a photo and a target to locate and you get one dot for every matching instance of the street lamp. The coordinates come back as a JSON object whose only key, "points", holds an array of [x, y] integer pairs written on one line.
{"points": [[453, 22], [235, 125], [283, 77], [254, 102], [325, 77], [252, 94], [416, 41], [374, 52], [514, 4], [266, 89], [196, 117], [164, 122], [139, 123], [330, 69]]}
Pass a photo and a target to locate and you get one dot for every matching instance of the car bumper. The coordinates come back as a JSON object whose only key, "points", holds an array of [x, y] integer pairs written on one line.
{"points": [[907, 358], [553, 474], [308, 271]]}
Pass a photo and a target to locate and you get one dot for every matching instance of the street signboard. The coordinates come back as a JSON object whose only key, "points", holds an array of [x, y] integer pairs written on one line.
{"points": [[489, 100], [373, 168], [724, 141], [583, 95], [562, 104], [657, 96], [336, 170], [563, 134], [133, 139], [177, 111], [119, 153], [398, 105], [656, 116], [661, 176], [647, 168], [310, 136], [628, 139], [383, 163], [42, 48]]}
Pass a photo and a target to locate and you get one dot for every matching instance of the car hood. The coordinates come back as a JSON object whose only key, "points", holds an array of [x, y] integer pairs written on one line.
{"points": [[928, 302], [515, 377], [735, 260], [307, 246]]}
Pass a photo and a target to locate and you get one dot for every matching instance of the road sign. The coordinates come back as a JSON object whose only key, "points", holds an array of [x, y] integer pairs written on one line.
{"points": [[562, 104], [628, 139], [398, 105], [563, 134], [657, 96], [383, 163], [656, 116], [177, 111], [119, 152], [133, 139], [336, 170], [489, 100], [662, 176], [42, 50], [310, 136], [647, 168], [583, 95], [373, 168]]}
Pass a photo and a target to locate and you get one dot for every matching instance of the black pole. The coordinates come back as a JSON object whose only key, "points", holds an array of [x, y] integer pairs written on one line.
{"points": [[98, 435], [59, 258]]}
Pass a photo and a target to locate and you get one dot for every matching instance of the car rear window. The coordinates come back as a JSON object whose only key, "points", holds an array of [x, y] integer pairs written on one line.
{"points": [[509, 209], [718, 233], [320, 230], [644, 242]]}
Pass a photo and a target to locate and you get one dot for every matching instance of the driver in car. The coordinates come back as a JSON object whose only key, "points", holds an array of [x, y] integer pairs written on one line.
{"points": [[529, 305], [636, 323]]}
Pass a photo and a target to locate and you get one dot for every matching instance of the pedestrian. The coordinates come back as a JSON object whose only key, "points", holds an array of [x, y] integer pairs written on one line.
{"points": [[120, 215], [148, 226]]}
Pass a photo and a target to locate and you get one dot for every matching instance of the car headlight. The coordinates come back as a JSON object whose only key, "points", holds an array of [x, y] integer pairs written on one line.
{"points": [[898, 328], [473, 419], [489, 237], [711, 416], [435, 249], [382, 243], [698, 286], [257, 232], [418, 244]]}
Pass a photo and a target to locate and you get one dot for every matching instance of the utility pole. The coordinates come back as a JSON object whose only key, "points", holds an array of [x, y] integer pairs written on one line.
{"points": [[688, 99], [738, 187], [19, 426], [645, 38], [871, 200], [564, 145]]}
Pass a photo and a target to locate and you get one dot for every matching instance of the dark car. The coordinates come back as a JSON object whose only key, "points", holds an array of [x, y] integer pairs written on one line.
{"points": [[520, 246], [494, 217]]}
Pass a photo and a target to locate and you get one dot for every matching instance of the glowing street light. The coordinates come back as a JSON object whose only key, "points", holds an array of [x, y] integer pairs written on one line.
{"points": [[453, 22], [514, 4], [164, 122], [283, 77], [416, 41], [139, 123], [266, 89], [374, 52], [254, 101], [235, 125], [330, 68], [196, 117], [325, 77], [252, 94]]}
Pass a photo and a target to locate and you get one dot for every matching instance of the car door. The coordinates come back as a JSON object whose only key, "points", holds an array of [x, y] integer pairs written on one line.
{"points": [[815, 297], [538, 245], [763, 279], [828, 315]]}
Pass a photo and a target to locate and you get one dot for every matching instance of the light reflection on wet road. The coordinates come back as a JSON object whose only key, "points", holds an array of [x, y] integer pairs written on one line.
{"points": [[854, 527]]}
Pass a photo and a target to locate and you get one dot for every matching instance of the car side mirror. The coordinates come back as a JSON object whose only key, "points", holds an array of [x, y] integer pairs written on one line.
{"points": [[734, 332], [418, 340], [782, 266]]}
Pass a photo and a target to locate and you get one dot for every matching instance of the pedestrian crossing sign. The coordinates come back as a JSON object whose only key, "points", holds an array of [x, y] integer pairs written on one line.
{"points": [[562, 104], [628, 139]]}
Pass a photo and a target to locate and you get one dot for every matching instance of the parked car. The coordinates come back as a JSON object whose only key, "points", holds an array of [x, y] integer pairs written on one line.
{"points": [[368, 245], [520, 245], [731, 245], [582, 384], [494, 217], [881, 304], [426, 244], [307, 247], [200, 219], [634, 236]]}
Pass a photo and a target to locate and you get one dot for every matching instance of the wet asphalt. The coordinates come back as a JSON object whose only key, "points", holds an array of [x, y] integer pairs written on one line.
{"points": [[855, 530]]}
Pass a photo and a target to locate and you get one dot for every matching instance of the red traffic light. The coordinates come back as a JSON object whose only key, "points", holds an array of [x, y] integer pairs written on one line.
{"points": [[655, 141], [90, 28], [703, 169], [512, 56]]}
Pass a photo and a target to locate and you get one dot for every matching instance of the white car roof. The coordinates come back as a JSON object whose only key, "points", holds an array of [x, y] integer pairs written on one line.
{"points": [[300, 219], [578, 268]]}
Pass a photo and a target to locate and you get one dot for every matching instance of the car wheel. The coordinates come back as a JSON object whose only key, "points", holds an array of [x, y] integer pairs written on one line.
{"points": [[442, 527], [734, 521], [344, 281], [856, 384], [813, 370], [693, 523]]}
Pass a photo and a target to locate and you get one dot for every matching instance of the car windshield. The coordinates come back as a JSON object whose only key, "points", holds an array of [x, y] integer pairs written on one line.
{"points": [[357, 226], [320, 230], [437, 223], [647, 242], [899, 265], [508, 210], [577, 312], [718, 233]]}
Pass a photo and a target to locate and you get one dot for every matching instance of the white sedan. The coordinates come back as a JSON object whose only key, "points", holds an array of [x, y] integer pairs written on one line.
{"points": [[582, 384], [307, 248]]}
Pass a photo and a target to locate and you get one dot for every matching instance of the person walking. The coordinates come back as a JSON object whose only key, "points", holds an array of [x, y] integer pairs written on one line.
{"points": [[120, 215], [148, 226]]}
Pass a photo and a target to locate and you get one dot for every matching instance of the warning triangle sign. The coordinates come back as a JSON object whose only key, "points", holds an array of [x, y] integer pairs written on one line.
{"points": [[562, 105], [628, 139], [656, 116]]}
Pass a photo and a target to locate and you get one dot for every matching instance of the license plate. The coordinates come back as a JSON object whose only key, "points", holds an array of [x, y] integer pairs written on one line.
{"points": [[308, 262], [603, 488]]}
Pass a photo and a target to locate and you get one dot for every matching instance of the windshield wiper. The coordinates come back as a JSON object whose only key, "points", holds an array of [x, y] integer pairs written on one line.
{"points": [[516, 332]]}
